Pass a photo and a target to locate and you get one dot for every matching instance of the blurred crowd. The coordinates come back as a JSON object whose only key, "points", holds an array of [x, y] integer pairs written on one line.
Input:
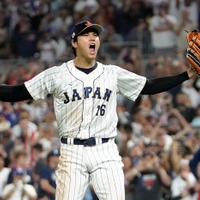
{"points": [[158, 135]]}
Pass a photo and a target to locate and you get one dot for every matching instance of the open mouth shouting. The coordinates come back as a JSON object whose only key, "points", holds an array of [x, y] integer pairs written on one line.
{"points": [[92, 48]]}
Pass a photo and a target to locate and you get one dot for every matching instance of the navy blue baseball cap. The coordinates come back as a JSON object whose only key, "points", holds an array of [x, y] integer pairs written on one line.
{"points": [[19, 171], [83, 26]]}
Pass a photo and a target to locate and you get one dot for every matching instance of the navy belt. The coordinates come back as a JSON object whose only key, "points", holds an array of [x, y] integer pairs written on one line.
{"points": [[85, 142]]}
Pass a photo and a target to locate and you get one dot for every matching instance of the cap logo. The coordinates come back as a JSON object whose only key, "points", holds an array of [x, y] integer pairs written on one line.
{"points": [[73, 34], [88, 23]]}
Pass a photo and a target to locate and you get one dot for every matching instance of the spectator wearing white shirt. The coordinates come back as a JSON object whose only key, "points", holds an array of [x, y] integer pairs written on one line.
{"points": [[25, 134], [4, 172], [183, 183], [163, 30], [80, 5], [176, 7], [18, 189], [47, 47]]}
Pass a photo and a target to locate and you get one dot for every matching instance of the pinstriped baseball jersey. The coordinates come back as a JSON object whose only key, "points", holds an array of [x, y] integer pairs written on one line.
{"points": [[85, 104]]}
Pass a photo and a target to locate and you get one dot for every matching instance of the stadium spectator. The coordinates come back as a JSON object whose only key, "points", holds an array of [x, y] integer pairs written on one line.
{"points": [[148, 178], [18, 159], [183, 184], [130, 57], [162, 27], [4, 123], [192, 93], [47, 48], [4, 172], [47, 181], [191, 6], [80, 5], [5, 50], [141, 36], [128, 166], [25, 134], [39, 163], [47, 137], [125, 138], [18, 189], [24, 39], [184, 106], [128, 16], [185, 24], [10, 114], [112, 41]]}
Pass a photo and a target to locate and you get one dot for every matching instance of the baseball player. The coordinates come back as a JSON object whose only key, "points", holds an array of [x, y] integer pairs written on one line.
{"points": [[85, 93]]}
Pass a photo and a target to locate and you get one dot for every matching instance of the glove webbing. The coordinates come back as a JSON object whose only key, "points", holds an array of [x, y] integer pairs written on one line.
{"points": [[194, 47], [194, 61], [196, 40]]}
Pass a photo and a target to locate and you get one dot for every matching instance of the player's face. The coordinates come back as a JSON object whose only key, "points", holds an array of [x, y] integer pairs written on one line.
{"points": [[88, 45]]}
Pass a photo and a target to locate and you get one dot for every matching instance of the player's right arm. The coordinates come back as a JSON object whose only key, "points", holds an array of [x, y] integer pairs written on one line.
{"points": [[14, 93], [38, 87]]}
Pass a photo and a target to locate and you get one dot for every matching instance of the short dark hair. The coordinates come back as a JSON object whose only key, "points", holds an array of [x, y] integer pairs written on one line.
{"points": [[73, 49], [52, 153], [38, 147]]}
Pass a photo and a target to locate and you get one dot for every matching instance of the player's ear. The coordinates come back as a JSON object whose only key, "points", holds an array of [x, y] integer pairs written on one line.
{"points": [[74, 43]]}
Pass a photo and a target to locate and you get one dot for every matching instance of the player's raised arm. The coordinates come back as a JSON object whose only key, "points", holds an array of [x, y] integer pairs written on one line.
{"points": [[165, 83], [14, 93]]}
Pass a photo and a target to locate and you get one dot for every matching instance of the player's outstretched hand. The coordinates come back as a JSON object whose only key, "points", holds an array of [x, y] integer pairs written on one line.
{"points": [[193, 50], [192, 72]]}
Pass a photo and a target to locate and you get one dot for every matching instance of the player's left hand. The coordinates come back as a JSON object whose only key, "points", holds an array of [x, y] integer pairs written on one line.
{"points": [[191, 72], [193, 50]]}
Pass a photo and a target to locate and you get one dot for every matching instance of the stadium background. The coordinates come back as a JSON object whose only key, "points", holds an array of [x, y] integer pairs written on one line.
{"points": [[161, 130]]}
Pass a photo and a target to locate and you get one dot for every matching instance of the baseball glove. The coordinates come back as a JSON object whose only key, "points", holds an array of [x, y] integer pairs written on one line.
{"points": [[193, 50]]}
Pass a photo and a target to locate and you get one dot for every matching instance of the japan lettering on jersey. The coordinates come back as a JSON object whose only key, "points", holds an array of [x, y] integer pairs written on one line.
{"points": [[85, 104]]}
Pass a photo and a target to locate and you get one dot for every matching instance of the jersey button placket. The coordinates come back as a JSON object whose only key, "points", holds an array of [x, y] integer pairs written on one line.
{"points": [[87, 113]]}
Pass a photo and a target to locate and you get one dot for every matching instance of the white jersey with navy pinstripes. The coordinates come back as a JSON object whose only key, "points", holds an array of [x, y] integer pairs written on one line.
{"points": [[85, 104]]}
